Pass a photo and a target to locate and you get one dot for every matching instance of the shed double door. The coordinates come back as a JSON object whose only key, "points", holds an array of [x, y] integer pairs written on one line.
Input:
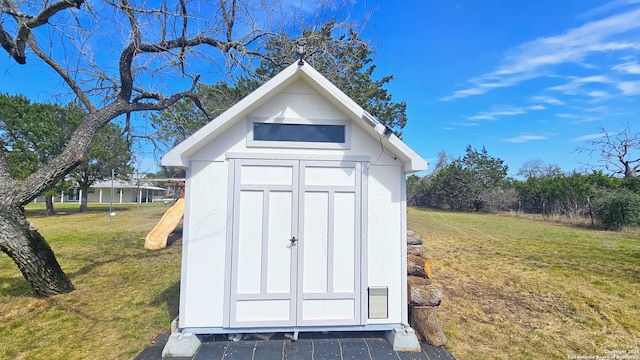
{"points": [[296, 243]]}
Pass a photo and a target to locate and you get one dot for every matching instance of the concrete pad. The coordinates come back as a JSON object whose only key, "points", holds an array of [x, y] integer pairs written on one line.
{"points": [[180, 344], [403, 339]]}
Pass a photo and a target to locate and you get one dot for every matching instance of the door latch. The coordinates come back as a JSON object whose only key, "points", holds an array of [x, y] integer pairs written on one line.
{"points": [[293, 240]]}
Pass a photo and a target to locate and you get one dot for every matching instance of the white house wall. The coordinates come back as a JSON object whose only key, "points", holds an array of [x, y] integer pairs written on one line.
{"points": [[205, 235]]}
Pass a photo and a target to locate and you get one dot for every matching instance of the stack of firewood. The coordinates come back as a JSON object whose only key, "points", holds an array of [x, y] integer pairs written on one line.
{"points": [[423, 295]]}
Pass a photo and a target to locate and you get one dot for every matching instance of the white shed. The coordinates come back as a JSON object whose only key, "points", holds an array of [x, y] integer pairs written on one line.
{"points": [[295, 215]]}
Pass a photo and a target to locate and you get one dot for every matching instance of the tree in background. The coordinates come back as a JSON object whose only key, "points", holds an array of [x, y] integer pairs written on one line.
{"points": [[451, 188], [33, 134], [418, 189], [350, 68], [476, 181], [561, 194], [618, 152], [486, 174], [109, 151], [536, 168], [119, 58]]}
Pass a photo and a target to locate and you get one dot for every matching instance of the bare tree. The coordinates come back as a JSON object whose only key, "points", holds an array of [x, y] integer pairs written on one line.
{"points": [[618, 152], [536, 168], [119, 57]]}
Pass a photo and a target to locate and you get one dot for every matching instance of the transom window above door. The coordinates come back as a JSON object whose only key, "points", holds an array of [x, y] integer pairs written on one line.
{"points": [[299, 133]]}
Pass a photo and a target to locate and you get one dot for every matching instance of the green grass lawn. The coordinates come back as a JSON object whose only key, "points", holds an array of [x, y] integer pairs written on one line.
{"points": [[522, 289], [125, 295]]}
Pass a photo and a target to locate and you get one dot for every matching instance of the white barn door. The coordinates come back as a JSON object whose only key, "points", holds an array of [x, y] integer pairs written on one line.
{"points": [[296, 244]]}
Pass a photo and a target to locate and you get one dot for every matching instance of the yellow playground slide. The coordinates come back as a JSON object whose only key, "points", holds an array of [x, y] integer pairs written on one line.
{"points": [[157, 238]]}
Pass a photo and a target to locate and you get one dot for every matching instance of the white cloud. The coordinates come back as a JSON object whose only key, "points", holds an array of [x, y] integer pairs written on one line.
{"points": [[567, 116], [536, 58], [630, 67], [598, 94], [482, 116], [505, 111], [630, 87], [578, 118], [600, 109], [608, 7], [489, 82], [548, 100], [492, 115], [525, 138], [575, 85], [588, 137]]}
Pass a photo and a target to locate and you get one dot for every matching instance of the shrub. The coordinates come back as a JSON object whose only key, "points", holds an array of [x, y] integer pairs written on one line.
{"points": [[616, 208]]}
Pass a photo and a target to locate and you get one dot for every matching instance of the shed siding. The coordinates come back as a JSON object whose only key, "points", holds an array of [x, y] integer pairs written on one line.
{"points": [[384, 235], [202, 297]]}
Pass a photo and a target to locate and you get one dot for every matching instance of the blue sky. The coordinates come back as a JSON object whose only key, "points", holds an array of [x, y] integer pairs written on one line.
{"points": [[526, 79]]}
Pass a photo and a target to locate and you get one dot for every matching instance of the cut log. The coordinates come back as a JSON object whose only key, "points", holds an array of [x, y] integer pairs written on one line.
{"points": [[416, 250], [428, 269], [416, 280], [425, 322], [415, 266], [414, 239], [424, 295]]}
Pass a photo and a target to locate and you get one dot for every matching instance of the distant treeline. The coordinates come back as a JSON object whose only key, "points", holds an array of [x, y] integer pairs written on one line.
{"points": [[479, 182]]}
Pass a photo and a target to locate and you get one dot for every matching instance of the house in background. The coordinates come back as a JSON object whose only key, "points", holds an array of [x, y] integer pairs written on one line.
{"points": [[135, 190], [295, 217]]}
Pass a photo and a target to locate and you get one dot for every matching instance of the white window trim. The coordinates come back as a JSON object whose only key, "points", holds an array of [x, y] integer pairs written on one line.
{"points": [[299, 144]]}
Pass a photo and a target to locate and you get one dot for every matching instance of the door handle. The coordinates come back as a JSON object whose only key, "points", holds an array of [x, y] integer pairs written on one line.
{"points": [[293, 240]]}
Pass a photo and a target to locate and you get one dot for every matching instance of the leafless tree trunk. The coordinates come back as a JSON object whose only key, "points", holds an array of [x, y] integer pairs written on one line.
{"points": [[157, 40]]}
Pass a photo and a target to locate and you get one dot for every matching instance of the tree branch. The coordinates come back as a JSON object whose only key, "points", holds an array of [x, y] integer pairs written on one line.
{"points": [[135, 27], [229, 18], [131, 51], [183, 50], [26, 23], [33, 44], [10, 46]]}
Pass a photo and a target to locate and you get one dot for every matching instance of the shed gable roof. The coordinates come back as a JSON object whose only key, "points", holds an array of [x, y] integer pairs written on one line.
{"points": [[179, 156]]}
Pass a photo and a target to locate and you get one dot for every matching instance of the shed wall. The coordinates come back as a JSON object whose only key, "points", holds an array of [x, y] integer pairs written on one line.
{"points": [[205, 239], [384, 237]]}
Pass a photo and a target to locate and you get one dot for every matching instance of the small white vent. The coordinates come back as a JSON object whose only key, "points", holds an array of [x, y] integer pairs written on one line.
{"points": [[378, 302]]}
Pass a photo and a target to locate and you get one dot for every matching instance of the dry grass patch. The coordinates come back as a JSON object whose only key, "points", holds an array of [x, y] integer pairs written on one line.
{"points": [[124, 296], [523, 289]]}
